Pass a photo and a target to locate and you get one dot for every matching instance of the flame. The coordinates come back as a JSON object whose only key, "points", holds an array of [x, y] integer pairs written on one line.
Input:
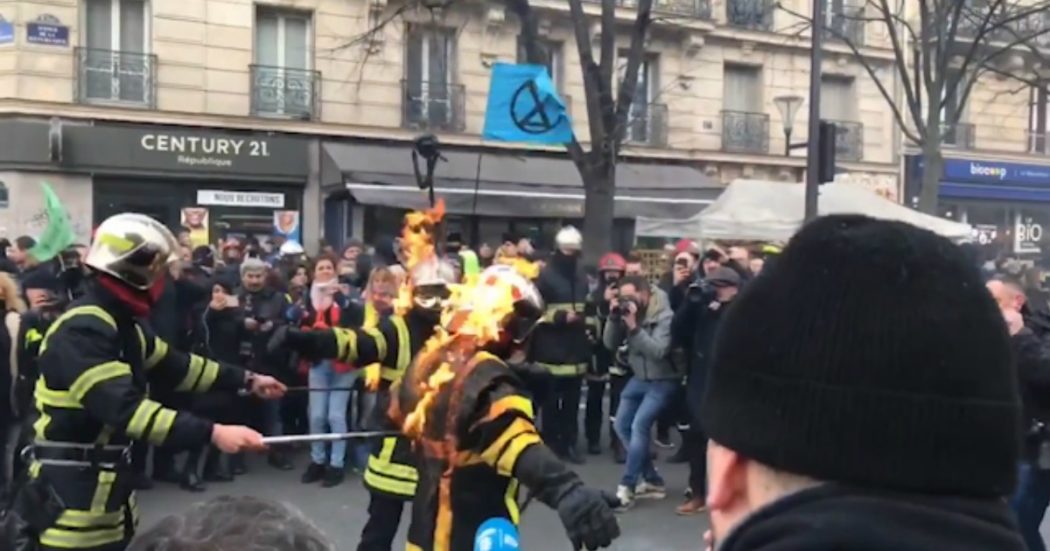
{"points": [[417, 247]]}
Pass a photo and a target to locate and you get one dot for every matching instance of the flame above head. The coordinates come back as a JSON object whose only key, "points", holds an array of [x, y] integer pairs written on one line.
{"points": [[417, 247]]}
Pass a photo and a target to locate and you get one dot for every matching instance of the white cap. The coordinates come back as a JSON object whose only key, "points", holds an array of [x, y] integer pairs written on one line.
{"points": [[569, 238], [291, 248]]}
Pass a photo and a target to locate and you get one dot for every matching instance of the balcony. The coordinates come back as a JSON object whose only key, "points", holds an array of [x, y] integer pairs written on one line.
{"points": [[846, 24], [959, 135], [647, 125], [744, 132], [433, 106], [686, 8], [285, 92], [849, 140], [113, 77], [756, 15]]}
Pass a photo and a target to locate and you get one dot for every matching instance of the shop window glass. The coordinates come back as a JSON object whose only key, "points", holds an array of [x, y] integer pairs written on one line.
{"points": [[3, 196]]}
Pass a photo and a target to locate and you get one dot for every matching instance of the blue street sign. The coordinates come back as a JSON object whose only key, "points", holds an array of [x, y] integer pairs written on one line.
{"points": [[7, 31], [47, 30]]}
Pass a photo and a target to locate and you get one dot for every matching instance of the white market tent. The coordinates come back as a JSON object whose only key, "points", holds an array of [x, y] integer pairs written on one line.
{"points": [[761, 210]]}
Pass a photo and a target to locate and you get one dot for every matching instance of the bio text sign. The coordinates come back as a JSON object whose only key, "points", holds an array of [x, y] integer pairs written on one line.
{"points": [[215, 197], [991, 172]]}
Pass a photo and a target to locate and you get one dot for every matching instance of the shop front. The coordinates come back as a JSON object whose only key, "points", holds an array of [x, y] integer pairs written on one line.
{"points": [[1007, 203], [491, 193], [214, 182]]}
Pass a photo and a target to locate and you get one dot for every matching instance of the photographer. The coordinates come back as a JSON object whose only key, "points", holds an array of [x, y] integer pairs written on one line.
{"points": [[1033, 370], [610, 269], [641, 318], [695, 324]]}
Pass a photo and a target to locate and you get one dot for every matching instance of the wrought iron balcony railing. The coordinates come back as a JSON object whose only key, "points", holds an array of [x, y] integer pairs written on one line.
{"points": [[849, 140], [285, 92], [686, 8], [429, 105], [109, 76], [960, 135], [647, 125], [847, 23], [744, 132], [750, 14]]}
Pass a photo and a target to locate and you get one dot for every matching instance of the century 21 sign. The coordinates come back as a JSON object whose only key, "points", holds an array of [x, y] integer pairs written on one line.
{"points": [[197, 145]]}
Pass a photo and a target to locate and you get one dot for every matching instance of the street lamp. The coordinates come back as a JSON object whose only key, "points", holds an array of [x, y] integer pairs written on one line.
{"points": [[788, 107]]}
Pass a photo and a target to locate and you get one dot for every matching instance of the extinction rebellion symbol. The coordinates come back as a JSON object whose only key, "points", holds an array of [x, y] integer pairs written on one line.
{"points": [[528, 112]]}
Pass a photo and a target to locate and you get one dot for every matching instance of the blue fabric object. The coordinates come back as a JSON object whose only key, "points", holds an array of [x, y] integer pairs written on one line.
{"points": [[524, 106], [328, 412], [1030, 503], [640, 404], [497, 534]]}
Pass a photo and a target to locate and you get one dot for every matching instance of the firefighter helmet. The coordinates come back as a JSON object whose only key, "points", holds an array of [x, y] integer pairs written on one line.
{"points": [[133, 248], [569, 239], [612, 262], [497, 288], [430, 281]]}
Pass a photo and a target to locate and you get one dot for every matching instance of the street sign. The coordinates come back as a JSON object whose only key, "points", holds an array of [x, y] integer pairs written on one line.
{"points": [[47, 30]]}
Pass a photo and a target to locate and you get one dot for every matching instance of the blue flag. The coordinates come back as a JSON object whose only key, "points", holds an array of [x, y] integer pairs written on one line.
{"points": [[524, 106]]}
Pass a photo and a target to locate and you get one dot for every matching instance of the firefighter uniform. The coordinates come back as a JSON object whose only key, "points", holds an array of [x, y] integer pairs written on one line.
{"points": [[95, 363], [564, 348], [391, 475]]}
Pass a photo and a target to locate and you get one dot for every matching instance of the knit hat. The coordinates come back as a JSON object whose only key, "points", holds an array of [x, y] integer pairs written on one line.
{"points": [[870, 354]]}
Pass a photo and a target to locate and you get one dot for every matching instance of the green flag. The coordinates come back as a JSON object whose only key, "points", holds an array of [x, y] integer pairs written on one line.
{"points": [[59, 232]]}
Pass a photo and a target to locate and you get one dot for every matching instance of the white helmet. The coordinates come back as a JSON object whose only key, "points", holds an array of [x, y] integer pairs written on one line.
{"points": [[133, 248], [430, 281], [569, 239], [291, 248], [502, 302]]}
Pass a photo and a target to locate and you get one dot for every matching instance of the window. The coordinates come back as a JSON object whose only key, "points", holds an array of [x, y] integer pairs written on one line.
{"points": [[955, 132], [742, 89], [282, 82], [837, 102], [115, 66], [552, 60], [643, 124], [428, 81], [1038, 119]]}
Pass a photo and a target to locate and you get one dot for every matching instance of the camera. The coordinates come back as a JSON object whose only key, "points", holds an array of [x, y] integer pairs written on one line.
{"points": [[618, 311], [700, 290]]}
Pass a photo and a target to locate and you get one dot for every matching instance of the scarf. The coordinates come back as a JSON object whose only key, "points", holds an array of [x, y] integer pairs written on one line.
{"points": [[138, 302]]}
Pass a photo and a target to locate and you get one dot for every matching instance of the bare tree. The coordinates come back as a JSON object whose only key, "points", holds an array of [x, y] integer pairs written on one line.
{"points": [[941, 49]]}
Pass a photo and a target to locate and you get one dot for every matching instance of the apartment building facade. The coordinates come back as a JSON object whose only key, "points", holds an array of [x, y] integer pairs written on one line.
{"points": [[245, 108]]}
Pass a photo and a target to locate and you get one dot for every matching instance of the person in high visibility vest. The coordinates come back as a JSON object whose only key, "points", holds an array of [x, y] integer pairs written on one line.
{"points": [[95, 362]]}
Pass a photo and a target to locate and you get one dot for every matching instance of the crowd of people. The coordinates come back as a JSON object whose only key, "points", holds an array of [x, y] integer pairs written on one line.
{"points": [[841, 396]]}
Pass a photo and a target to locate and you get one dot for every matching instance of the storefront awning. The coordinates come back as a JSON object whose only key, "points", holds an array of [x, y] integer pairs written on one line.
{"points": [[507, 185]]}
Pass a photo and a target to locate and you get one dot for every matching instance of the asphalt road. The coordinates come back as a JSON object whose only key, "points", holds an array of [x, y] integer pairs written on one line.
{"points": [[341, 512]]}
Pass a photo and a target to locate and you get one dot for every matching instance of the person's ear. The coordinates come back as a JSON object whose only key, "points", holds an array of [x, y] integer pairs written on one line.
{"points": [[726, 477]]}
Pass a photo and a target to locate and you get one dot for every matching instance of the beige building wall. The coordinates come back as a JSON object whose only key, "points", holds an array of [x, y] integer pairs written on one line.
{"points": [[24, 213], [204, 49]]}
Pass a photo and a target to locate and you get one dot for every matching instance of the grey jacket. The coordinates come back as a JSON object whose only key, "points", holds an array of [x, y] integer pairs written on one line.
{"points": [[648, 347]]}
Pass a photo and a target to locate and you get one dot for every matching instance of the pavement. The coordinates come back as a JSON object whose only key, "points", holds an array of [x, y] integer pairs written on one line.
{"points": [[341, 512]]}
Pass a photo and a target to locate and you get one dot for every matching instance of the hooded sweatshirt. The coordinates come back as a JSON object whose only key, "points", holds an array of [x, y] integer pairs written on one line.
{"points": [[833, 517]]}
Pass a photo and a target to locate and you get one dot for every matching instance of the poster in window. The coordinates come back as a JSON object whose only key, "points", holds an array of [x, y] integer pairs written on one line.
{"points": [[1028, 232], [195, 219], [286, 224]]}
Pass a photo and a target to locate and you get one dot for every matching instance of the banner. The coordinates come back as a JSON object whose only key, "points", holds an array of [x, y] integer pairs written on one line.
{"points": [[524, 106], [58, 235], [195, 219], [286, 223]]}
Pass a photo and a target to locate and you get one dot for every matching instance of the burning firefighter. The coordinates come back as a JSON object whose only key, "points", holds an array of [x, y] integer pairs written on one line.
{"points": [[472, 422], [95, 362], [385, 350]]}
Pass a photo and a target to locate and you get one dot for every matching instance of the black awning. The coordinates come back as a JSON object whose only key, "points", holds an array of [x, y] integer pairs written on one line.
{"points": [[506, 185]]}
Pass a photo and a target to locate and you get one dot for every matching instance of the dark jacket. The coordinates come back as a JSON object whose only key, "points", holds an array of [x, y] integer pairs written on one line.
{"points": [[563, 347], [833, 517], [693, 328], [267, 305], [220, 333], [1033, 371]]}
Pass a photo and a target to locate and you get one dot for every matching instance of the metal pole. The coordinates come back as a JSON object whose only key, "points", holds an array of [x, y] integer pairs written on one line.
{"points": [[816, 58], [332, 437], [787, 142]]}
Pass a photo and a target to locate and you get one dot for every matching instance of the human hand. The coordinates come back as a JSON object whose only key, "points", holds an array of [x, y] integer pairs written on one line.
{"points": [[1014, 321], [611, 292], [630, 316], [681, 273], [267, 387], [250, 324], [265, 327], [218, 303], [571, 317], [236, 438]]}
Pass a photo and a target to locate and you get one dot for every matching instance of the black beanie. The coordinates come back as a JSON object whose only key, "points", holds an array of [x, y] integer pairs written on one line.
{"points": [[872, 354]]}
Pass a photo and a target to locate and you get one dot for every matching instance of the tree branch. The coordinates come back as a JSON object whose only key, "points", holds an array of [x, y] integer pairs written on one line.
{"points": [[634, 61], [591, 74]]}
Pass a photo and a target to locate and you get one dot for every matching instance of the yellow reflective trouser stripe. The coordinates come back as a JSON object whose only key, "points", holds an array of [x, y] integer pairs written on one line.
{"points": [[211, 372], [502, 453], [102, 491], [95, 375], [510, 403], [389, 485], [162, 426], [72, 539], [380, 341], [54, 398], [193, 374], [141, 418], [564, 370], [79, 310], [88, 519], [383, 463], [404, 346], [511, 500], [160, 350]]}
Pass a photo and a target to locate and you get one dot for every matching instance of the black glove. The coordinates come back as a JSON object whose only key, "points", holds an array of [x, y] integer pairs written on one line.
{"points": [[588, 517], [314, 345]]}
